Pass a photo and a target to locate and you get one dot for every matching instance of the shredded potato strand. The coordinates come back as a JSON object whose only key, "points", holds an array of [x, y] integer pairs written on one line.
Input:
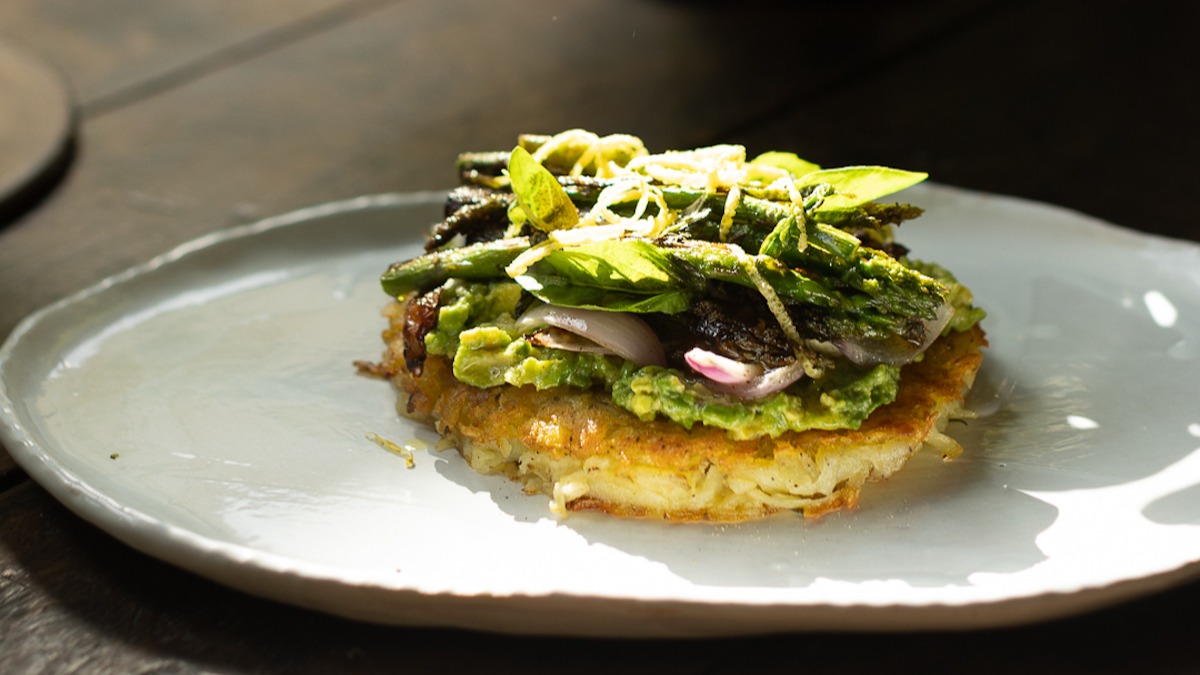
{"points": [[404, 452]]}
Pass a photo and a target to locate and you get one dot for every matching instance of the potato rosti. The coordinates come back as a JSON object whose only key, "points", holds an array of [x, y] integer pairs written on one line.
{"points": [[687, 336], [588, 454]]}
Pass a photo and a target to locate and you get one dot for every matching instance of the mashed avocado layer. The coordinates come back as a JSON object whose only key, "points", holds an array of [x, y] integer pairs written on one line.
{"points": [[477, 330], [840, 400]]}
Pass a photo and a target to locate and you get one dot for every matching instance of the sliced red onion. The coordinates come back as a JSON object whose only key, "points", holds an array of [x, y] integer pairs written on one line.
{"points": [[619, 333], [721, 369], [769, 382], [743, 380], [557, 338], [935, 326], [896, 351]]}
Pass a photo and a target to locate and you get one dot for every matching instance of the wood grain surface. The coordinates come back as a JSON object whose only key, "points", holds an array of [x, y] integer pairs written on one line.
{"points": [[196, 115]]}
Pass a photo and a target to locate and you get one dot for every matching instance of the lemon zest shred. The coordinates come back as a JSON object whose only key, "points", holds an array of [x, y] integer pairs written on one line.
{"points": [[750, 264], [731, 204], [797, 204]]}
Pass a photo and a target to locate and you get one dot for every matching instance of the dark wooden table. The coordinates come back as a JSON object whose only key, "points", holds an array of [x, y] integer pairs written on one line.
{"points": [[195, 115]]}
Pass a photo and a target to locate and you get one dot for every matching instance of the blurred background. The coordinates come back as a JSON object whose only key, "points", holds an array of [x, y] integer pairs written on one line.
{"points": [[223, 110], [130, 126]]}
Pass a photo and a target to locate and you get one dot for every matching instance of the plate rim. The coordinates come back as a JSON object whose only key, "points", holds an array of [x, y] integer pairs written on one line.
{"points": [[177, 545]]}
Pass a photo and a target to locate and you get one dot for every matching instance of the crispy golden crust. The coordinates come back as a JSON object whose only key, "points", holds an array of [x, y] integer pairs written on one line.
{"points": [[588, 454]]}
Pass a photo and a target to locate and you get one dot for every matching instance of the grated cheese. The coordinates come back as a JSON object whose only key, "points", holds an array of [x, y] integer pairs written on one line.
{"points": [[600, 152], [529, 256], [713, 168]]}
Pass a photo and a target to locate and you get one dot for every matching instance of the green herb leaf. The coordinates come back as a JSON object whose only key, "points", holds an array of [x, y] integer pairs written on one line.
{"points": [[538, 193], [854, 185], [559, 291], [787, 161], [628, 275]]}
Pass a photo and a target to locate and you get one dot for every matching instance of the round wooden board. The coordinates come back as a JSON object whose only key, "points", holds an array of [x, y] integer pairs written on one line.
{"points": [[37, 121]]}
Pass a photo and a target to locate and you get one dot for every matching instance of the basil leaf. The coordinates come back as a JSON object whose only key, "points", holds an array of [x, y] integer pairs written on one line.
{"points": [[854, 185], [632, 262], [564, 293], [631, 275], [538, 193], [787, 161]]}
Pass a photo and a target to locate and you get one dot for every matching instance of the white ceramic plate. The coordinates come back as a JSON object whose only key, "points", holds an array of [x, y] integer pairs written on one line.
{"points": [[204, 409]]}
